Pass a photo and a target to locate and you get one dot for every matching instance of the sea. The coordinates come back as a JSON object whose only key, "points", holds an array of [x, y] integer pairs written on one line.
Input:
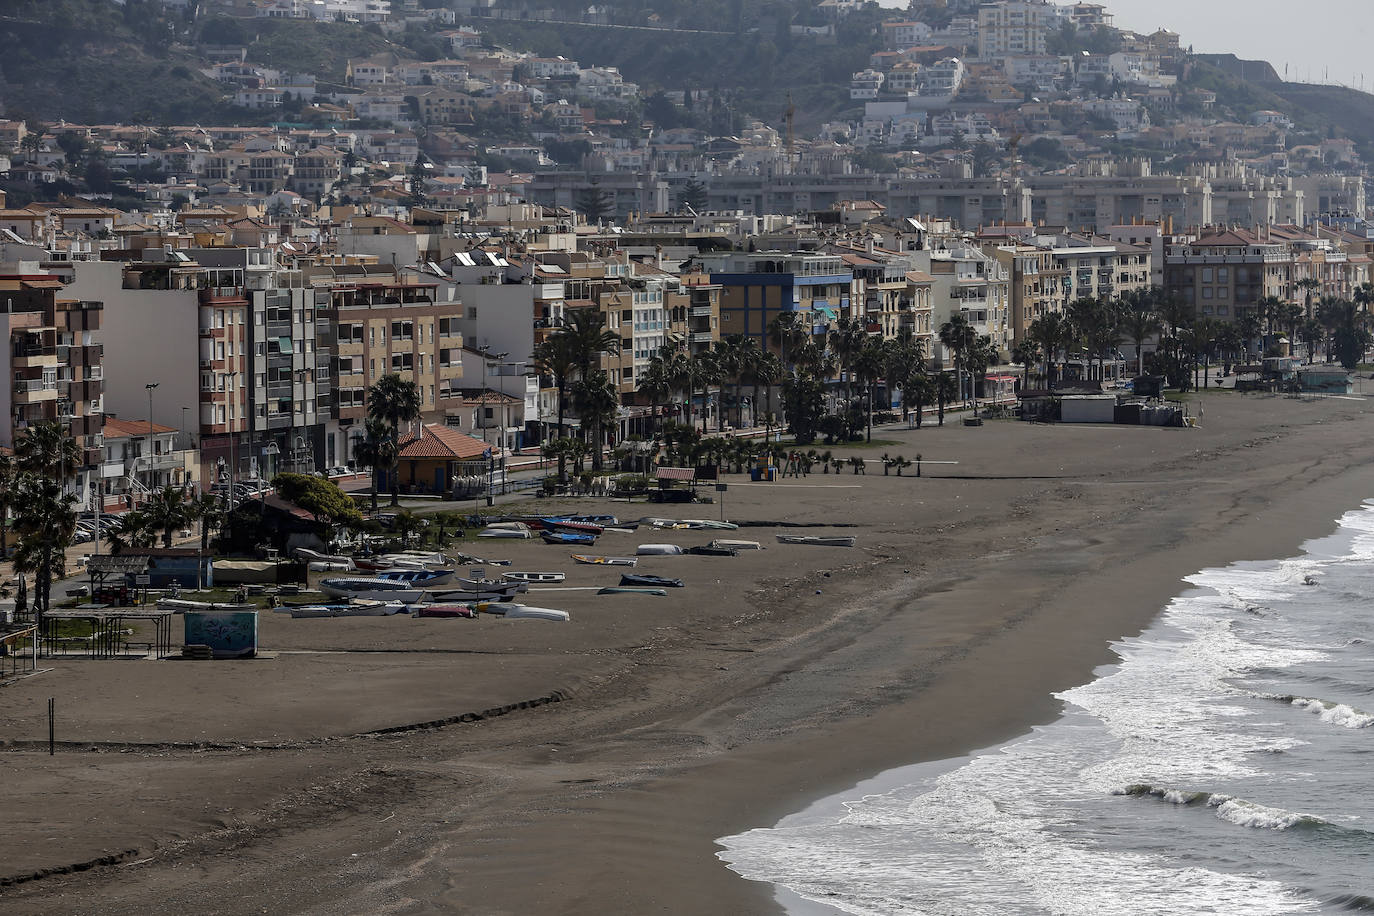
{"points": [[1224, 765]]}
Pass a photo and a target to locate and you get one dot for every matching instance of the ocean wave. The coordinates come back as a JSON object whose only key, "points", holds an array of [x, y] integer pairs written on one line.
{"points": [[1237, 811], [1335, 713], [1356, 903], [1329, 711]]}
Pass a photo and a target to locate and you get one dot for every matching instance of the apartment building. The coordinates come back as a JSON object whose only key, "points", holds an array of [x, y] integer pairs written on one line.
{"points": [[52, 365], [1013, 28], [970, 282], [757, 287], [1226, 273], [383, 325], [140, 458]]}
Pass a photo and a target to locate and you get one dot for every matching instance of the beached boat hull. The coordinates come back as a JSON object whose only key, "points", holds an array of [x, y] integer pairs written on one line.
{"points": [[182, 605], [528, 612], [709, 551], [627, 590], [446, 610], [370, 590], [419, 578], [604, 561], [650, 581], [659, 550], [534, 576], [815, 541], [568, 537]]}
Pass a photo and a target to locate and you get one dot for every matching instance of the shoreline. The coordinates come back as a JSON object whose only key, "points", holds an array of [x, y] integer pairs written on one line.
{"points": [[828, 807], [1018, 585]]}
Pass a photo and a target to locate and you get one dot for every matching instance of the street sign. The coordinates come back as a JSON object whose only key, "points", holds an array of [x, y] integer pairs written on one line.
{"points": [[143, 580], [486, 454], [477, 572], [722, 487]]}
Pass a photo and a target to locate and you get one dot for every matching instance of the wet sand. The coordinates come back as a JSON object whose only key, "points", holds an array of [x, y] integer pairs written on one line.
{"points": [[588, 767]]}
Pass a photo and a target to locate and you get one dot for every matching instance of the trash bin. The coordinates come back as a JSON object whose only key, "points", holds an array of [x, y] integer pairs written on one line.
{"points": [[756, 474]]}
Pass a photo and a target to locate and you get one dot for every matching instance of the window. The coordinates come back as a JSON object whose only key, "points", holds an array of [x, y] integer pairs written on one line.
{"points": [[1207, 275], [1223, 275], [1207, 293], [472, 313]]}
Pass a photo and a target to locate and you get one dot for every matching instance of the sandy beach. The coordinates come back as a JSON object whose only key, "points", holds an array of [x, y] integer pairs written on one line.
{"points": [[397, 765]]}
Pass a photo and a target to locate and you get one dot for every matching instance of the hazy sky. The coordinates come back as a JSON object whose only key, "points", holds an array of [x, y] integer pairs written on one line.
{"points": [[1310, 38], [1318, 40]]}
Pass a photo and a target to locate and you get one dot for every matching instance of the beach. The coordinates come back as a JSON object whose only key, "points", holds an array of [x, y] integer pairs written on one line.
{"points": [[589, 767]]}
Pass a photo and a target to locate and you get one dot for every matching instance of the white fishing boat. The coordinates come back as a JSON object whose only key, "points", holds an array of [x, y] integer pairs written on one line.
{"points": [[371, 589], [516, 530], [603, 561], [478, 561], [525, 611], [326, 561], [351, 609], [708, 523], [182, 605], [534, 576], [420, 578], [736, 545], [493, 586], [659, 550], [815, 541]]}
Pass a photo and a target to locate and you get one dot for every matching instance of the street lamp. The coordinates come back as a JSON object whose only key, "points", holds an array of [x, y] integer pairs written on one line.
{"points": [[152, 473], [229, 377]]}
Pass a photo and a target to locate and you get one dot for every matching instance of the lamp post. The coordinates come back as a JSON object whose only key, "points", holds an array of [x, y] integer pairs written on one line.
{"points": [[183, 427], [152, 479]]}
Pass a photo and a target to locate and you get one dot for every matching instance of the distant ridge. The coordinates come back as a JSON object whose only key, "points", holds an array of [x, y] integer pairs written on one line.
{"points": [[1252, 71]]}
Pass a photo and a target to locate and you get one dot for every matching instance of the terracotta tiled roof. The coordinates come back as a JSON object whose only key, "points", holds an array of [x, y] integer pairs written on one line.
{"points": [[116, 428], [437, 441]]}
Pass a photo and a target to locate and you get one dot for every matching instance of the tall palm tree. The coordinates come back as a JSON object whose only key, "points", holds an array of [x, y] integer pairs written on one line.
{"points": [[958, 336], [653, 382], [905, 362], [1052, 332], [376, 450], [9, 479], [554, 357], [946, 389], [766, 372], [394, 400], [46, 450], [596, 399], [847, 340], [587, 338], [868, 366], [1308, 285], [166, 511], [1139, 323], [749, 353], [787, 332], [46, 525]]}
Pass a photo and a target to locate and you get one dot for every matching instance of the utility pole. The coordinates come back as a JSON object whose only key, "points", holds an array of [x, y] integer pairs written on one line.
{"points": [[151, 472]]}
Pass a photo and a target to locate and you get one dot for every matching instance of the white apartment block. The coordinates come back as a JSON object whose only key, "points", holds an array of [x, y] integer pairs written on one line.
{"points": [[1013, 28]]}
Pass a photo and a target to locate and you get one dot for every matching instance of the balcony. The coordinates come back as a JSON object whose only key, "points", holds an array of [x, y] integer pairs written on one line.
{"points": [[702, 337], [34, 357], [34, 390], [701, 311]]}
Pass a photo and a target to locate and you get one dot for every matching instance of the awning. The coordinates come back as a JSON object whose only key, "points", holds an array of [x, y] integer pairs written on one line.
{"points": [[829, 313], [284, 344], [676, 473]]}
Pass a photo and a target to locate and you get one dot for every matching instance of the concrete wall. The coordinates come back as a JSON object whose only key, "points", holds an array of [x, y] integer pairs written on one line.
{"points": [[149, 336]]}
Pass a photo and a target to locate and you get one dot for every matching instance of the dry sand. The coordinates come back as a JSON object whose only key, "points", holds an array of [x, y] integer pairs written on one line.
{"points": [[598, 760]]}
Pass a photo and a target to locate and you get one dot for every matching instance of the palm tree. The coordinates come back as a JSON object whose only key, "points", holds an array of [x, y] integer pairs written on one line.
{"points": [[905, 361], [847, 340], [130, 529], [654, 384], [587, 338], [596, 399], [394, 400], [376, 450], [917, 391], [47, 451], [748, 354], [787, 333], [166, 512], [1051, 333], [958, 336], [1307, 285], [554, 357], [1027, 354], [767, 371], [868, 365], [946, 388], [46, 525], [9, 479], [207, 509]]}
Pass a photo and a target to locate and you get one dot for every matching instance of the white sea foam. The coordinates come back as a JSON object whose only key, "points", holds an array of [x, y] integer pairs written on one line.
{"points": [[1248, 814], [1004, 833], [1335, 713]]}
